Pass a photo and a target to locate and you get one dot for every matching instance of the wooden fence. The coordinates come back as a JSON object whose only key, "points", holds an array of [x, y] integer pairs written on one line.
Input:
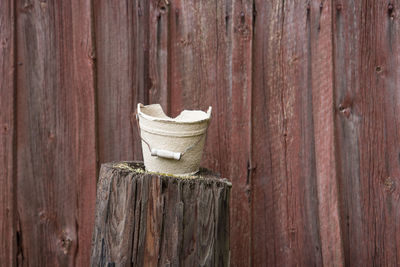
{"points": [[305, 97]]}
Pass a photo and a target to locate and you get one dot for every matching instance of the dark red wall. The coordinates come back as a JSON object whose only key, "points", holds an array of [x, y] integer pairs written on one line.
{"points": [[305, 98]]}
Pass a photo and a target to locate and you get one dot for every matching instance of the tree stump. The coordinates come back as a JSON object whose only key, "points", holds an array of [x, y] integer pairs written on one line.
{"points": [[146, 219]]}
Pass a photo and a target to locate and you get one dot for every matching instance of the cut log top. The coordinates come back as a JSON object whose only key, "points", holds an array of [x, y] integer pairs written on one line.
{"points": [[203, 176], [149, 219]]}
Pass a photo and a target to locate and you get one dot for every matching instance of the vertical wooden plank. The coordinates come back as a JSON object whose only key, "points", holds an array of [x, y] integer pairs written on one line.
{"points": [[184, 43], [158, 53], [347, 84], [325, 145], [194, 63], [56, 167], [284, 188], [210, 64], [8, 237], [217, 154], [240, 106], [192, 54], [367, 79], [122, 75], [141, 68]]}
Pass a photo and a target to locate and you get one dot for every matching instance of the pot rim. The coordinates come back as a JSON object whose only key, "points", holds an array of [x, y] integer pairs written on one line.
{"points": [[169, 119]]}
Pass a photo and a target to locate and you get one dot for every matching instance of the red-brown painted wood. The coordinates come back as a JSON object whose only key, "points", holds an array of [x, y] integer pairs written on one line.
{"points": [[56, 156], [324, 138], [367, 78], [8, 227], [285, 222], [158, 53], [239, 106], [304, 98], [122, 75], [209, 55]]}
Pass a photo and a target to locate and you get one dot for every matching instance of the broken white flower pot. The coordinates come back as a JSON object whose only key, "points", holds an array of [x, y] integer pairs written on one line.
{"points": [[172, 145]]}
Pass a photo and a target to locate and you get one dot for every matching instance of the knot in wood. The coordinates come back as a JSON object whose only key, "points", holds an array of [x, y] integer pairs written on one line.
{"points": [[65, 242], [346, 111], [389, 185]]}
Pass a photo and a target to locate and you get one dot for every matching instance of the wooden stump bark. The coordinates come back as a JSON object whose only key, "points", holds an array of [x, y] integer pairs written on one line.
{"points": [[145, 219]]}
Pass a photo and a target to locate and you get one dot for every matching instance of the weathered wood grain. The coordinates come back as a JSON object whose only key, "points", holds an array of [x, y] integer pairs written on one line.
{"points": [[285, 223], [146, 219], [195, 61], [367, 78], [304, 98], [239, 106], [209, 63], [325, 144], [122, 69], [159, 53], [9, 252], [56, 157]]}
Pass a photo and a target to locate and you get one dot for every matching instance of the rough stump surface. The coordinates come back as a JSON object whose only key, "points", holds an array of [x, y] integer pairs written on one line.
{"points": [[147, 219]]}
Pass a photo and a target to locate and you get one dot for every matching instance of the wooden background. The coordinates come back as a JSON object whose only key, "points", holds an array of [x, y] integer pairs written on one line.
{"points": [[305, 96]]}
